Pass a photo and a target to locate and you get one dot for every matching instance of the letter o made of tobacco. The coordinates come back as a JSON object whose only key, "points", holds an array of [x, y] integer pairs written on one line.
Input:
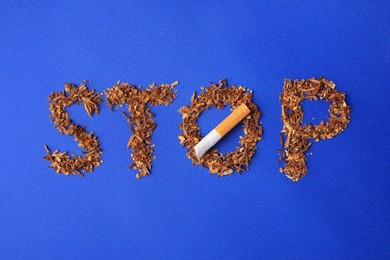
{"points": [[218, 96]]}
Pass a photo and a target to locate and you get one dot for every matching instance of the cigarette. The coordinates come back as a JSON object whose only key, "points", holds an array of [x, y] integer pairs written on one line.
{"points": [[221, 130]]}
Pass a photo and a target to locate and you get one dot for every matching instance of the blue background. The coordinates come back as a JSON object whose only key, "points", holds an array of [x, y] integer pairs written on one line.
{"points": [[339, 210]]}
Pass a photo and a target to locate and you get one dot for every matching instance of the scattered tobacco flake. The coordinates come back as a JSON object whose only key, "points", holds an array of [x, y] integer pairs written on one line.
{"points": [[58, 101], [295, 141], [140, 118], [218, 96]]}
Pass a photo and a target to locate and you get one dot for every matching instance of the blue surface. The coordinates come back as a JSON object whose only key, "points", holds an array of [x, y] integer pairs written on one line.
{"points": [[339, 211]]}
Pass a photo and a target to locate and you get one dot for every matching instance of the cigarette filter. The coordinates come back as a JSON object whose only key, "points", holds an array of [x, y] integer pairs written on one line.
{"points": [[221, 130]]}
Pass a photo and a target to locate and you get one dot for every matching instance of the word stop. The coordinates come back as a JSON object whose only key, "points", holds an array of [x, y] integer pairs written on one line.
{"points": [[295, 137]]}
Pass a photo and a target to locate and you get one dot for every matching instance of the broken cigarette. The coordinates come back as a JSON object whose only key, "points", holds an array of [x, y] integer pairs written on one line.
{"points": [[221, 130]]}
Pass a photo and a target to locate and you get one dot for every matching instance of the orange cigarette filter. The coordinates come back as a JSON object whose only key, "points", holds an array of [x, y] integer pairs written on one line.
{"points": [[232, 120], [221, 130]]}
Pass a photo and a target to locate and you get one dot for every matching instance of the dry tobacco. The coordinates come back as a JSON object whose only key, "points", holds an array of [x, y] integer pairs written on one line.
{"points": [[218, 96], [295, 141], [140, 118], [58, 101]]}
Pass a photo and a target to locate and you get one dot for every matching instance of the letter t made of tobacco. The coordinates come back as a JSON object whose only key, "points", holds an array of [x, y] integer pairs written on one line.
{"points": [[140, 118]]}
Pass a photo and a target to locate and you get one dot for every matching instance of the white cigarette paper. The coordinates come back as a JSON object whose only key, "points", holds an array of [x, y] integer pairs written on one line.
{"points": [[206, 143], [221, 130]]}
